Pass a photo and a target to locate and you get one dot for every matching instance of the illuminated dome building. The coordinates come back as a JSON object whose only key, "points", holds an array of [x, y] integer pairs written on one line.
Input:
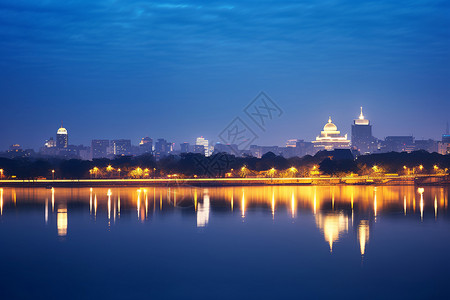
{"points": [[62, 138], [330, 138]]}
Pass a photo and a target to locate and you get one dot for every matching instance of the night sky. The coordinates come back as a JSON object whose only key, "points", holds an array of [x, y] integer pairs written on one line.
{"points": [[182, 69]]}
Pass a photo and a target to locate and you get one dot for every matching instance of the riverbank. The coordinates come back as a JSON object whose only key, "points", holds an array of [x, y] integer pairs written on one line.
{"points": [[360, 180]]}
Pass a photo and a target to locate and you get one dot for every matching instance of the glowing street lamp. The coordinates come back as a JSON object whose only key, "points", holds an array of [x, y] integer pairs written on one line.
{"points": [[118, 170], [109, 168], [1, 174], [95, 171], [53, 174], [421, 167], [272, 172]]}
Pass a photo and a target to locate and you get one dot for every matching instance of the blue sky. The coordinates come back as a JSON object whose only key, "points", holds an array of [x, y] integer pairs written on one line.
{"points": [[182, 69]]}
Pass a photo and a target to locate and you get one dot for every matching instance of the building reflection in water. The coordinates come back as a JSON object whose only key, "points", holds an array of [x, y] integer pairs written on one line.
{"points": [[333, 225], [203, 210], [1, 201], [363, 235], [332, 207], [61, 220]]}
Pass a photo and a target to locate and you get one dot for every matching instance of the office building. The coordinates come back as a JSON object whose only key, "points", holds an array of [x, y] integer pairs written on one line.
{"points": [[146, 145], [203, 142], [362, 139], [62, 138], [185, 147], [121, 147], [398, 144], [99, 148]]}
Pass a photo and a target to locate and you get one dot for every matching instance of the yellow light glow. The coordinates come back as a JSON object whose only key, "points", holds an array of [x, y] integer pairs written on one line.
{"points": [[363, 235], [1, 201], [332, 225], [61, 221]]}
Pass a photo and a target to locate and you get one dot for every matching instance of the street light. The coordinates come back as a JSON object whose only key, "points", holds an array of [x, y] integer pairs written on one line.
{"points": [[1, 174], [53, 174], [118, 170]]}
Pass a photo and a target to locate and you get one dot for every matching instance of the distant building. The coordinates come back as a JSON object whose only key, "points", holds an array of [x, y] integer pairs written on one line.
{"points": [[427, 145], [330, 138], [291, 143], [362, 138], [398, 144], [203, 142], [185, 147], [226, 148], [146, 145], [444, 145], [121, 147], [85, 153], [304, 148], [443, 148], [99, 148], [162, 148], [199, 149], [50, 143], [446, 136], [62, 138]]}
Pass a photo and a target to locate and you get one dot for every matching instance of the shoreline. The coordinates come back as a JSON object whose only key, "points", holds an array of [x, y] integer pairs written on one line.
{"points": [[213, 182]]}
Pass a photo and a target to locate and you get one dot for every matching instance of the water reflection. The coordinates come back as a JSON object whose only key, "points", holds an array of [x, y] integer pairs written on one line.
{"points": [[333, 209], [61, 220], [332, 225], [203, 210]]}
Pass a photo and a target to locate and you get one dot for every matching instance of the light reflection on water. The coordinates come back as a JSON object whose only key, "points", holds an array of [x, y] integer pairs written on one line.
{"points": [[354, 219], [333, 207]]}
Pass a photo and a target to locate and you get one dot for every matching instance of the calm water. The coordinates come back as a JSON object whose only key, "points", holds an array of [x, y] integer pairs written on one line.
{"points": [[225, 243]]}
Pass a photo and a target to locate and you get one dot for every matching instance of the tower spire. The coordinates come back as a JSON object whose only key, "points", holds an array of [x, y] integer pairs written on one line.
{"points": [[361, 116]]}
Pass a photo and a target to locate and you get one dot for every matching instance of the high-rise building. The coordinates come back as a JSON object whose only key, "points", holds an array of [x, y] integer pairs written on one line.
{"points": [[146, 145], [203, 142], [446, 136], [362, 138], [99, 148], [199, 149], [330, 138], [185, 147], [62, 138], [121, 147], [162, 148]]}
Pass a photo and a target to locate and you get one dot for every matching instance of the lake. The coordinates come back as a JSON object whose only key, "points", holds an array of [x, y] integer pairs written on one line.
{"points": [[276, 242]]}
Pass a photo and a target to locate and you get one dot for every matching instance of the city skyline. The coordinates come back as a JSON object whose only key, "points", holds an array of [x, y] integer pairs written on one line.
{"points": [[181, 70], [62, 133]]}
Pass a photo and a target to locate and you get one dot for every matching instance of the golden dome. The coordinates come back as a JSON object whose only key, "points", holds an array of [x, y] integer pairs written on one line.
{"points": [[329, 126], [62, 131]]}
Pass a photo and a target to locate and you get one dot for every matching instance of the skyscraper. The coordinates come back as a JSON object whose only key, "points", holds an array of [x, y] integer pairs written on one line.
{"points": [[185, 147], [145, 145], [162, 148], [62, 138], [121, 147], [362, 138], [99, 148], [201, 141]]}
